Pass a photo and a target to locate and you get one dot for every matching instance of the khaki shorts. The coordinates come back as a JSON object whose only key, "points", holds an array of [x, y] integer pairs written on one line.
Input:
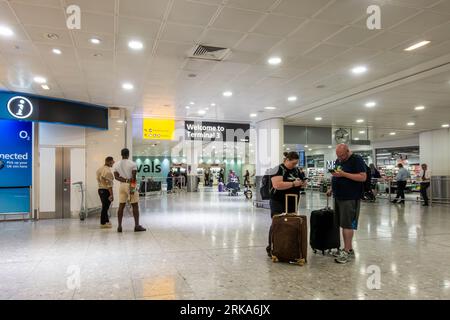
{"points": [[124, 194]]}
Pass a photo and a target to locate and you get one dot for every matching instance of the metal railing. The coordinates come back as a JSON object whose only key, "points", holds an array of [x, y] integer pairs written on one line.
{"points": [[440, 189], [158, 186]]}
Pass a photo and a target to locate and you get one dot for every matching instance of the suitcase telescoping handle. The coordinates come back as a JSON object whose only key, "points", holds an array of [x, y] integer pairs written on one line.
{"points": [[287, 202]]}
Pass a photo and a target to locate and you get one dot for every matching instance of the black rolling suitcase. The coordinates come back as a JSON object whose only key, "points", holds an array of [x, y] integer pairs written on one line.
{"points": [[324, 234]]}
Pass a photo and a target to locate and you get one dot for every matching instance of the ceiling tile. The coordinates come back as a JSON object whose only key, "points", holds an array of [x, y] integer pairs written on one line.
{"points": [[45, 3], [18, 47], [442, 7], [316, 31], [386, 40], [82, 40], [235, 19], [351, 36], [258, 5], [391, 15], [148, 9], [290, 48], [276, 25], [421, 23], [40, 16], [221, 38], [19, 33], [97, 23], [38, 34], [138, 28], [191, 13], [98, 6], [182, 33], [416, 3], [6, 14], [173, 50], [325, 51], [257, 43], [345, 11], [300, 8]]}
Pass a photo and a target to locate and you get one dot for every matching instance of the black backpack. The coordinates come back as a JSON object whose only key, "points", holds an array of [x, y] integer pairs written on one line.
{"points": [[266, 189]]}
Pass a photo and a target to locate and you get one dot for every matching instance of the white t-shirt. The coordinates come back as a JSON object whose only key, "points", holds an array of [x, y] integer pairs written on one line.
{"points": [[125, 168]]}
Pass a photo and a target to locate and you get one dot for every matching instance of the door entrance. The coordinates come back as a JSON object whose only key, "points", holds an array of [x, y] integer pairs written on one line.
{"points": [[62, 183]]}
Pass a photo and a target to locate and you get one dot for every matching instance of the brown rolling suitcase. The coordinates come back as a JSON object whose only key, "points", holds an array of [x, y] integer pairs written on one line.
{"points": [[289, 233]]}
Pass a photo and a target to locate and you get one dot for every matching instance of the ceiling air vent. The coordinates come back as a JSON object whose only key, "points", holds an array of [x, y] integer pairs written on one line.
{"points": [[209, 53]]}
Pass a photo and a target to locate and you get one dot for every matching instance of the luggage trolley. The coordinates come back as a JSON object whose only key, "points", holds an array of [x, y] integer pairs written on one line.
{"points": [[80, 187]]}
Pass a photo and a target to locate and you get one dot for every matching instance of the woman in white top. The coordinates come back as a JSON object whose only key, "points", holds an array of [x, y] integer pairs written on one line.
{"points": [[425, 176]]}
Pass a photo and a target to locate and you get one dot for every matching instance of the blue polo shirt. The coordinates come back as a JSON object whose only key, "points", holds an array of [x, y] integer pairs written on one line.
{"points": [[346, 189]]}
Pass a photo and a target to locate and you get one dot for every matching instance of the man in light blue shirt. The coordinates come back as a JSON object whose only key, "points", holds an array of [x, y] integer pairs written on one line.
{"points": [[402, 178]]}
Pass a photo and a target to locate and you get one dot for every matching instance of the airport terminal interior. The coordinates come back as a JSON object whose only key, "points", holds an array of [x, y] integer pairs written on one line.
{"points": [[208, 96]]}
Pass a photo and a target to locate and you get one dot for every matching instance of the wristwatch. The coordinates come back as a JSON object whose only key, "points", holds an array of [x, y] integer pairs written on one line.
{"points": [[293, 184]]}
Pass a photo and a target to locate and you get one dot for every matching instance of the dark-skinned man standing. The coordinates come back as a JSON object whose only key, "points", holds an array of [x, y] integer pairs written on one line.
{"points": [[125, 171]]}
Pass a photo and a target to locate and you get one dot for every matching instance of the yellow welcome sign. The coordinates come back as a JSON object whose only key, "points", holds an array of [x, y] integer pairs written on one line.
{"points": [[158, 129]]}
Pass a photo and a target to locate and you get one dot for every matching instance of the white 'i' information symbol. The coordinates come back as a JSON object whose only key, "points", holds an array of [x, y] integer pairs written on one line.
{"points": [[21, 106]]}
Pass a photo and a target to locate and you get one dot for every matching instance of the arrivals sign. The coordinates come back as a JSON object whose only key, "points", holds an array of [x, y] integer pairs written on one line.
{"points": [[16, 153], [239, 132], [158, 129]]}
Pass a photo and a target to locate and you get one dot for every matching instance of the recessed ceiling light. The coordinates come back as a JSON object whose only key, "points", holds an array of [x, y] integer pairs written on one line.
{"points": [[360, 120], [309, 149], [288, 149], [227, 94], [213, 104], [274, 61], [356, 139], [95, 41], [57, 51], [446, 125], [253, 115], [270, 108], [417, 45], [418, 108], [329, 147], [119, 121], [191, 103], [201, 112], [127, 86], [306, 146], [411, 124], [371, 104], [292, 98], [362, 132], [5, 31], [45, 87], [318, 118], [135, 45], [39, 79], [392, 133], [359, 70]]}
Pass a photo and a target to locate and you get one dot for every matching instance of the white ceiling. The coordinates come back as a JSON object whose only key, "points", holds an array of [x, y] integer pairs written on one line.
{"points": [[318, 40]]}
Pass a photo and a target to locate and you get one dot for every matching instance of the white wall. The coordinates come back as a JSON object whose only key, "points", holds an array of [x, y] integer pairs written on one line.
{"points": [[99, 145], [61, 135], [435, 151], [47, 191]]}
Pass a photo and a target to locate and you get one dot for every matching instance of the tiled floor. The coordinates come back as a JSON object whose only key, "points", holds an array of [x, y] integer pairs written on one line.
{"points": [[211, 246]]}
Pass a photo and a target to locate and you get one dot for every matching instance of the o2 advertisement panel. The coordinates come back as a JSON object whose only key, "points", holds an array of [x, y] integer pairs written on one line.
{"points": [[16, 153]]}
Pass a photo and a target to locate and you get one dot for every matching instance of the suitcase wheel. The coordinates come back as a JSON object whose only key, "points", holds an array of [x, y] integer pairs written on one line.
{"points": [[301, 262], [315, 251], [274, 259], [323, 252]]}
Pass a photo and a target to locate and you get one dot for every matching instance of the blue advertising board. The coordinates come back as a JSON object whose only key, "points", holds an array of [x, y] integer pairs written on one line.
{"points": [[16, 165], [16, 161]]}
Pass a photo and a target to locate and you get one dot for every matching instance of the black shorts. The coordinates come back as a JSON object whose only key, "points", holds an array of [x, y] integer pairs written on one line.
{"points": [[347, 212]]}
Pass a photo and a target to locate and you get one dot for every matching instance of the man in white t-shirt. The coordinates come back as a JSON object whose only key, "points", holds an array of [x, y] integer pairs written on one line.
{"points": [[125, 171]]}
